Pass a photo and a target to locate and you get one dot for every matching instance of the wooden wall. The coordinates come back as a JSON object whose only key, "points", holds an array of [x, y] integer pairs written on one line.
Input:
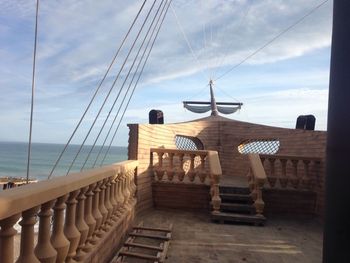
{"points": [[223, 135]]}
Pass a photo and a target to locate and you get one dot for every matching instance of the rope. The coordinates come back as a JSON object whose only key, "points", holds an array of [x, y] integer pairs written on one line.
{"points": [[132, 80], [188, 42], [218, 63], [137, 81], [122, 87], [273, 39], [98, 88], [33, 91], [110, 90]]}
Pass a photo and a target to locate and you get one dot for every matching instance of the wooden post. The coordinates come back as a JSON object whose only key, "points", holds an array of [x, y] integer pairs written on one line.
{"points": [[336, 227]]}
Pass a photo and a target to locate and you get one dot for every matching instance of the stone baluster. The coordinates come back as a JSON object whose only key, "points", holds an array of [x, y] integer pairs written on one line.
{"points": [[191, 171], [133, 183], [70, 230], [170, 171], [44, 250], [120, 196], [89, 218], [108, 203], [113, 196], [102, 208], [160, 169], [125, 189], [305, 180], [284, 179], [58, 239], [202, 173], [215, 198], [28, 221], [272, 178], [181, 172], [250, 177], [96, 213], [81, 224], [259, 204], [7, 234], [295, 180]]}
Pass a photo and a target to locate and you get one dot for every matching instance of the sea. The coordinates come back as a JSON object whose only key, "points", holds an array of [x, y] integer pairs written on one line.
{"points": [[13, 159]]}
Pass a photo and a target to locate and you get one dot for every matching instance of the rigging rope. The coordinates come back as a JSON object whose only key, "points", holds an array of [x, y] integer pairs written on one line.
{"points": [[273, 39], [122, 87], [188, 43], [98, 88], [109, 92], [137, 81], [33, 91], [132, 80]]}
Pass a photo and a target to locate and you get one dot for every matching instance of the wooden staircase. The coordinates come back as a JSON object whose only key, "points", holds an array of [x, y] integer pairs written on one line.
{"points": [[237, 207]]}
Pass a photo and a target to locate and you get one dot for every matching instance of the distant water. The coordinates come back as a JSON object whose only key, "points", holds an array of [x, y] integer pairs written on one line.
{"points": [[13, 158]]}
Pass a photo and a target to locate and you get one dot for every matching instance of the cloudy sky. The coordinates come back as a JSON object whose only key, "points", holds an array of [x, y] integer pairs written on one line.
{"points": [[78, 38]]}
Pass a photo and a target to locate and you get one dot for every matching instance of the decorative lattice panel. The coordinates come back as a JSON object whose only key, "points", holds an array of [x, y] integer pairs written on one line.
{"points": [[188, 143], [260, 146]]}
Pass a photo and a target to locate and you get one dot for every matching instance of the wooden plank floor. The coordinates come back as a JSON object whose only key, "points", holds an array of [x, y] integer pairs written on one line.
{"points": [[196, 239]]}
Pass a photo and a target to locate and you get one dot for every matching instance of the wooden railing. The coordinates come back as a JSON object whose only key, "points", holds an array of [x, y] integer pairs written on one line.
{"points": [[171, 165], [287, 171], [74, 212], [256, 180]]}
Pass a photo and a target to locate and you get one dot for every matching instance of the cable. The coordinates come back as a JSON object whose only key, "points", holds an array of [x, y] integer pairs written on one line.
{"points": [[115, 132], [98, 88], [273, 39], [188, 42], [109, 92], [122, 87], [132, 80], [33, 91]]}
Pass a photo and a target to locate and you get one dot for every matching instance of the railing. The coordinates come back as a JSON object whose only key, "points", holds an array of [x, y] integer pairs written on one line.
{"points": [[74, 213], [287, 171], [184, 166], [256, 180]]}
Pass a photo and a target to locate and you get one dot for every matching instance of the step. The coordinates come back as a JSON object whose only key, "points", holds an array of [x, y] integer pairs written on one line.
{"points": [[240, 208], [138, 255], [222, 217], [239, 198], [234, 190], [167, 237]]}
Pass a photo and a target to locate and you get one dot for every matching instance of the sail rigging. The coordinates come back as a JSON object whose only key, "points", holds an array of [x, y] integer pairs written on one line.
{"points": [[215, 107]]}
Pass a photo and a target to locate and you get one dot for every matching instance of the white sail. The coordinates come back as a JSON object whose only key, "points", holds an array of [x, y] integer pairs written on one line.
{"points": [[228, 110], [197, 109]]}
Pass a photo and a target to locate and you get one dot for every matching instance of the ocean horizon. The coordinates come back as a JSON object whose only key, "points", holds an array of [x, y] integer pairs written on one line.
{"points": [[13, 158]]}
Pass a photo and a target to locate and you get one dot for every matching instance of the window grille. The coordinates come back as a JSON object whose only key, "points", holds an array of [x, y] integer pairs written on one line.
{"points": [[260, 146], [188, 143]]}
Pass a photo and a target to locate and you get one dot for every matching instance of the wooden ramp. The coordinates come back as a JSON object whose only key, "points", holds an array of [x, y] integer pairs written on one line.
{"points": [[145, 244]]}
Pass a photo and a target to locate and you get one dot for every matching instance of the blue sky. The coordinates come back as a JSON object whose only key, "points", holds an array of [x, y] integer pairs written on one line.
{"points": [[77, 40]]}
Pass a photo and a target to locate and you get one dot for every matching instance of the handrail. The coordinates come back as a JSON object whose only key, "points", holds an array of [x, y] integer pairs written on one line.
{"points": [[291, 157], [85, 207], [173, 166], [256, 179]]}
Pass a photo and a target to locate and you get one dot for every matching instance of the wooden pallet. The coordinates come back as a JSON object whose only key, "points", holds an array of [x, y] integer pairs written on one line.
{"points": [[145, 244]]}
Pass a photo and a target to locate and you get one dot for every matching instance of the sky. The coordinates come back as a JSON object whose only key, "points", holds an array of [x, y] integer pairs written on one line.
{"points": [[199, 40]]}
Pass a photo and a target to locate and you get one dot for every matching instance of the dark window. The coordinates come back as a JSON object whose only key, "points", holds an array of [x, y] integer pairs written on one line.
{"points": [[188, 143], [260, 146]]}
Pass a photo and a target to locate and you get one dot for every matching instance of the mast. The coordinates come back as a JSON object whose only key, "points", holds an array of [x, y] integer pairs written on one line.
{"points": [[214, 108]]}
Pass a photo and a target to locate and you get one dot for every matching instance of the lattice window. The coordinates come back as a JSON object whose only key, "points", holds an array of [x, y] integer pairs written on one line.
{"points": [[260, 146], [188, 143]]}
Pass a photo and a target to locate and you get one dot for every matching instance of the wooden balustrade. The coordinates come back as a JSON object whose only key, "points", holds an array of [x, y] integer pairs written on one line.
{"points": [[287, 171], [256, 180], [182, 166], [81, 207]]}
